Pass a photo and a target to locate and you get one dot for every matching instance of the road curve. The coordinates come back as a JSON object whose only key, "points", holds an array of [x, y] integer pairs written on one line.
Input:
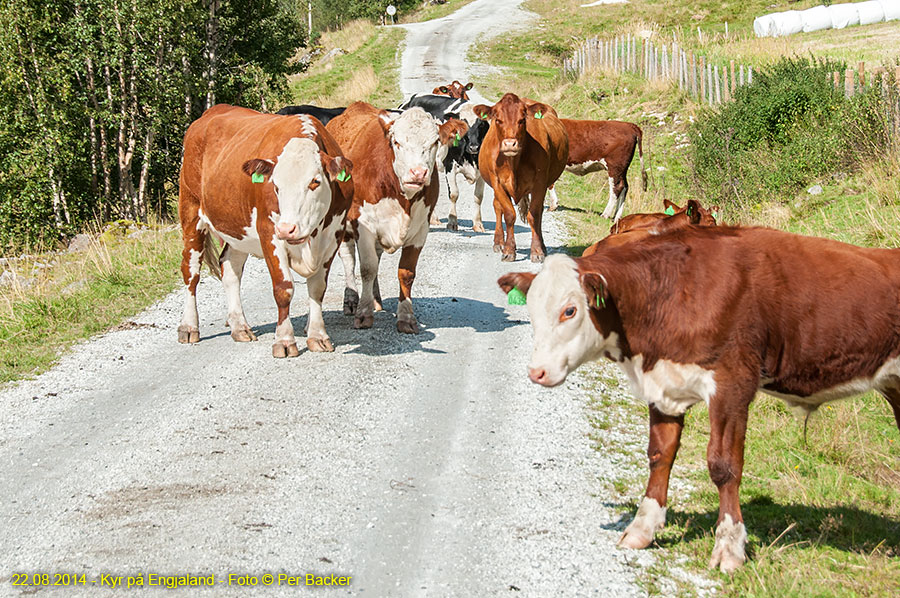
{"points": [[421, 465]]}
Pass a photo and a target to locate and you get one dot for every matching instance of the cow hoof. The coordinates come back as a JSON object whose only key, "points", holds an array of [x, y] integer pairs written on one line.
{"points": [[188, 335], [283, 349], [319, 345], [634, 539], [351, 300], [452, 224], [478, 227], [726, 563], [537, 258], [498, 248], [408, 326], [243, 335], [363, 321], [728, 553], [552, 207], [508, 257], [435, 221], [378, 306]]}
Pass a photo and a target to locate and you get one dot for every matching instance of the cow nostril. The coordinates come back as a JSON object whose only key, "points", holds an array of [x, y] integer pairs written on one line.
{"points": [[537, 374]]}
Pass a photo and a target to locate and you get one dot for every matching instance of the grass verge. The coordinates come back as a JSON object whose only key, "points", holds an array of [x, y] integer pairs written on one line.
{"points": [[71, 296], [434, 11]]}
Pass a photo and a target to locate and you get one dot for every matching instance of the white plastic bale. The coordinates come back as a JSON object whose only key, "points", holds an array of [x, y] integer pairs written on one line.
{"points": [[870, 12], [815, 19], [891, 9], [763, 26], [843, 15], [788, 23]]}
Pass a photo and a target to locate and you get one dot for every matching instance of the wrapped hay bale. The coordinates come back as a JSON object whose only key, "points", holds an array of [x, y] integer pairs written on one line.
{"points": [[870, 12], [815, 19], [843, 15], [891, 9], [763, 26]]}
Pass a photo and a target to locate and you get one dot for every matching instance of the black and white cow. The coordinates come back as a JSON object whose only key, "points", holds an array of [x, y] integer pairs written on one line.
{"points": [[440, 107]]}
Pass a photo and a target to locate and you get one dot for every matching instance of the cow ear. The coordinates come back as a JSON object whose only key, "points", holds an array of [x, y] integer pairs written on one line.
{"points": [[693, 211], [469, 86], [671, 204], [483, 112], [337, 168], [385, 120], [257, 168], [516, 280], [714, 210], [450, 129], [538, 110], [595, 289], [444, 89]]}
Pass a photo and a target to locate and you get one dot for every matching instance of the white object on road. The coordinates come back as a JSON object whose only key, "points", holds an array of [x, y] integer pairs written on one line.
{"points": [[599, 2]]}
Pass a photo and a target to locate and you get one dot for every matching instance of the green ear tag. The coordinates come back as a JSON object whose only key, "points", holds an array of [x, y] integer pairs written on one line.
{"points": [[257, 178], [670, 211], [601, 300], [456, 141], [689, 211], [538, 115], [515, 297], [343, 176], [484, 115], [715, 215]]}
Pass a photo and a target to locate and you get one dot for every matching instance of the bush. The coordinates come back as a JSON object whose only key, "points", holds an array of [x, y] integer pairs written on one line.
{"points": [[788, 128]]}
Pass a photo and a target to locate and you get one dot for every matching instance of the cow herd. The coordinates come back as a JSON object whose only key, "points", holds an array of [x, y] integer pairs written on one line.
{"points": [[691, 311]]}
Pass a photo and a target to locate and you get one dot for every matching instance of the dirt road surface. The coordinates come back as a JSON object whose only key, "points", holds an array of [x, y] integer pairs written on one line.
{"points": [[421, 465]]}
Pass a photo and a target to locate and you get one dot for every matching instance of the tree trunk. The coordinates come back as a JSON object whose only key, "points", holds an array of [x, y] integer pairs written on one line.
{"points": [[212, 47]]}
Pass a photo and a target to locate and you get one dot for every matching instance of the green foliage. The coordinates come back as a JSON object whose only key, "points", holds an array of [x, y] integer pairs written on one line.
{"points": [[331, 14], [788, 128], [95, 96]]}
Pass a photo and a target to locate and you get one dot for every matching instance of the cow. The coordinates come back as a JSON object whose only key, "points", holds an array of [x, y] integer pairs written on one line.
{"points": [[609, 145], [322, 114], [462, 159], [277, 187], [438, 106], [524, 152], [397, 188], [454, 90], [805, 319]]}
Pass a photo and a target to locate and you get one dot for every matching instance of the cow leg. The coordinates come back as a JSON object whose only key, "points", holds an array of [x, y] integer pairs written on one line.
{"points": [[504, 241], [725, 460], [893, 397], [194, 241], [406, 273], [316, 338], [611, 206], [665, 437], [232, 263], [620, 188], [477, 224], [535, 218], [376, 288], [554, 199], [283, 289], [351, 293], [453, 187], [368, 271]]}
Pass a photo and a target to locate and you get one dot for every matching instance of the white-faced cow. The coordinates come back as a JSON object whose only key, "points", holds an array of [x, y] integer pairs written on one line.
{"points": [[273, 186], [805, 319], [454, 90], [608, 145], [396, 190], [523, 153]]}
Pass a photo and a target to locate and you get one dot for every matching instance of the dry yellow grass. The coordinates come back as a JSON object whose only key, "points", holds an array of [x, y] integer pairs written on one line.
{"points": [[349, 38], [360, 85]]}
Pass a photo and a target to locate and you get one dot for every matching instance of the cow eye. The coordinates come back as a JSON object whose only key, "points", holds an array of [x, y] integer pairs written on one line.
{"points": [[568, 313], [314, 184]]}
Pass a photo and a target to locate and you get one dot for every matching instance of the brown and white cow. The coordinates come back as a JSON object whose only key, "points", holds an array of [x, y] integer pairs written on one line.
{"points": [[608, 145], [273, 186], [523, 153], [454, 90], [397, 188], [805, 319]]}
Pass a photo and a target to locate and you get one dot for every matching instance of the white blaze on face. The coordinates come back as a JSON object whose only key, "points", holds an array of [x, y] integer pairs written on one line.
{"points": [[299, 167], [414, 139], [564, 335]]}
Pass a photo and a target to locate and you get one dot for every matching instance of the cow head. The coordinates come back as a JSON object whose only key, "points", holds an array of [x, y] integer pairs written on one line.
{"points": [[475, 137], [301, 177], [560, 301], [454, 133], [454, 90], [509, 115], [414, 136]]}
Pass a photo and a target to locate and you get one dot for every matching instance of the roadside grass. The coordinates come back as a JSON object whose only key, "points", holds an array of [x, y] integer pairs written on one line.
{"points": [[80, 294], [368, 72], [823, 518], [434, 11]]}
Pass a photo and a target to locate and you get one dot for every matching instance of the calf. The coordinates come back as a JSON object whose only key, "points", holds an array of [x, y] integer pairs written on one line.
{"points": [[692, 213], [523, 153], [273, 186], [454, 90], [322, 114], [804, 319], [462, 159], [604, 145], [396, 191]]}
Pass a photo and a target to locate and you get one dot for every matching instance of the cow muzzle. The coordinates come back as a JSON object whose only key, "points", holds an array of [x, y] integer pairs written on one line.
{"points": [[510, 147], [541, 376], [416, 177], [290, 233]]}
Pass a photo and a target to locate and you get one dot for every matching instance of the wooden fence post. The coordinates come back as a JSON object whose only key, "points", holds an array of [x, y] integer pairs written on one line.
{"points": [[693, 75], [718, 86], [862, 75], [702, 79], [849, 79], [733, 86]]}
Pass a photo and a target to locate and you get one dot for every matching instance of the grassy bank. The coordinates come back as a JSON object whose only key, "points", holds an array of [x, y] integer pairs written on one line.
{"points": [[823, 517], [59, 299]]}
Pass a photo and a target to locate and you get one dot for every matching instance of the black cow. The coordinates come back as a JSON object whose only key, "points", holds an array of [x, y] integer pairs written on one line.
{"points": [[440, 107], [323, 114], [462, 158]]}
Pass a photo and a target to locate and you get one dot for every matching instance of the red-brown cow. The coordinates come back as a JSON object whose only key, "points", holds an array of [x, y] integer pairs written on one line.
{"points": [[609, 145], [273, 186], [454, 90], [805, 319], [523, 153], [396, 191]]}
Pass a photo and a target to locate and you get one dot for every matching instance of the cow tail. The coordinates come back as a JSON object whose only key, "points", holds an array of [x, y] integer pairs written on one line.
{"points": [[640, 146], [523, 208], [210, 255]]}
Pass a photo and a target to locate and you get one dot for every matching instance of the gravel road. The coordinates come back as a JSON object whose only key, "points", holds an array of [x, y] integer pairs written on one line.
{"points": [[421, 465]]}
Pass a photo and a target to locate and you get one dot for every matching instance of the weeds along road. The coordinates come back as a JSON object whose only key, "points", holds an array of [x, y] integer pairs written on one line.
{"points": [[421, 465]]}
